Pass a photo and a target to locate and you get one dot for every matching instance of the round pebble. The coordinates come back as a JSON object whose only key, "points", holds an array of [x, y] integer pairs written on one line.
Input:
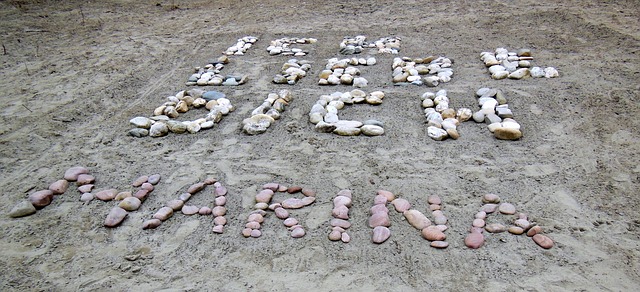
{"points": [[474, 240], [86, 197], [439, 244], [432, 233], [41, 199], [130, 204], [543, 241], [507, 209], [72, 173], [290, 222], [205, 211], [495, 228], [380, 234], [154, 179], [401, 205], [297, 232], [59, 187], [140, 180], [106, 195], [115, 217], [534, 230]]}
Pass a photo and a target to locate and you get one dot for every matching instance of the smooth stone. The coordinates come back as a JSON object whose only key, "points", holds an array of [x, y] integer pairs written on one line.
{"points": [[500, 75], [189, 209], [219, 220], [490, 198], [218, 211], [417, 219], [380, 234], [175, 205], [84, 179], [489, 208], [219, 229], [163, 214], [59, 187], [534, 230], [519, 74], [439, 244], [401, 205], [87, 197], [495, 228], [389, 196], [177, 127], [537, 72], [141, 194], [341, 212], [158, 130], [432, 233], [138, 132], [297, 232], [281, 213], [478, 117], [506, 208], [543, 241], [515, 230], [115, 217], [335, 222], [140, 180], [130, 204], [24, 208], [106, 195], [141, 122], [478, 223], [220, 201], [293, 203], [264, 196], [380, 200], [436, 133], [151, 224], [147, 186], [335, 235], [346, 131], [342, 201], [474, 240], [344, 237], [372, 130], [194, 188], [255, 233], [551, 72], [122, 195], [434, 199], [72, 173], [481, 215], [256, 217], [440, 220], [504, 133]]}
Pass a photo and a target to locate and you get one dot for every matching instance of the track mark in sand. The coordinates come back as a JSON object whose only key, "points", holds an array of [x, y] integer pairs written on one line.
{"points": [[177, 239], [540, 170], [567, 200]]}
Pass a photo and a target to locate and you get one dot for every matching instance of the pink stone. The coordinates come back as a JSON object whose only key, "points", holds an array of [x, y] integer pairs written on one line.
{"points": [[481, 215], [147, 186], [401, 205], [440, 220], [434, 199], [282, 188], [515, 230], [495, 228], [442, 228], [247, 232], [220, 201], [379, 219], [306, 201], [290, 222], [417, 219], [342, 201], [380, 234], [282, 213], [141, 194], [522, 223], [59, 187], [507, 209], [41, 199], [115, 217], [293, 203], [345, 237], [130, 204], [274, 206], [255, 233], [474, 240], [106, 195], [194, 188], [379, 200], [534, 230], [432, 233], [434, 207], [489, 208], [210, 180], [256, 218], [163, 214], [252, 225], [154, 179], [387, 194], [85, 179], [205, 211], [72, 173], [294, 189], [219, 211], [264, 196], [220, 220], [543, 241], [439, 244], [341, 212], [335, 235], [297, 232], [219, 229], [175, 204], [308, 192], [220, 191], [271, 186], [379, 208], [85, 188], [490, 198], [346, 193], [476, 230], [478, 223], [151, 224], [340, 223], [189, 209], [139, 181]]}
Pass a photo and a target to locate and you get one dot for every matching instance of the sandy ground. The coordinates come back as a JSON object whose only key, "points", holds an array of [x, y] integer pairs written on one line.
{"points": [[73, 74]]}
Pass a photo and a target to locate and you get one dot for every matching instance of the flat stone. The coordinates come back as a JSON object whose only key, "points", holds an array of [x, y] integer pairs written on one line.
{"points": [[24, 208], [372, 130], [506, 208], [504, 133], [115, 217], [380, 234], [72, 173]]}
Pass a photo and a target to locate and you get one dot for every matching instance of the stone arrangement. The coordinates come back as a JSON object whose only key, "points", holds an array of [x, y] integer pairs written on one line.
{"points": [[283, 46], [514, 65], [340, 212], [128, 201], [379, 219], [267, 113], [163, 120], [433, 233], [324, 114], [292, 71], [521, 224], [263, 202], [210, 74], [442, 121], [495, 112], [180, 204], [342, 71], [241, 46], [429, 71], [355, 45]]}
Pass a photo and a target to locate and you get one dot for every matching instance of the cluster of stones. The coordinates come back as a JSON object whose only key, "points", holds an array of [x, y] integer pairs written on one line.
{"points": [[267, 113], [42, 198], [292, 71], [283, 46], [263, 202], [429, 71], [521, 224], [495, 112], [442, 121], [129, 201], [355, 45], [340, 222], [210, 74], [514, 65], [180, 204], [324, 114], [241, 46], [342, 71], [162, 122], [433, 233], [379, 219]]}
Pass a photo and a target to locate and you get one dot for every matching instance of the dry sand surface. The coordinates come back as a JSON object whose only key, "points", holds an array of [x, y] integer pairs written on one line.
{"points": [[73, 73]]}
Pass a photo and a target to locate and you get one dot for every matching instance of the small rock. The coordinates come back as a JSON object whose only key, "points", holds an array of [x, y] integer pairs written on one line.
{"points": [[434, 199], [175, 205], [189, 209], [495, 228], [432, 233], [24, 208], [401, 205], [163, 214], [154, 179], [72, 173], [380, 234], [130, 204], [140, 180], [489, 208], [106, 195], [115, 217], [194, 188], [417, 219], [141, 122], [507, 209], [41, 199], [504, 133], [84, 179], [219, 229], [543, 241], [297, 232], [151, 224], [59, 187], [158, 130], [534, 230], [515, 230], [335, 222], [87, 197], [474, 240], [436, 133], [439, 244], [491, 198], [85, 188]]}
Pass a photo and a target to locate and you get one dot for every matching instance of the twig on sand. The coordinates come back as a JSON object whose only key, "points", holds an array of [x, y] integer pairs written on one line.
{"points": [[25, 66], [27, 108], [4, 50]]}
